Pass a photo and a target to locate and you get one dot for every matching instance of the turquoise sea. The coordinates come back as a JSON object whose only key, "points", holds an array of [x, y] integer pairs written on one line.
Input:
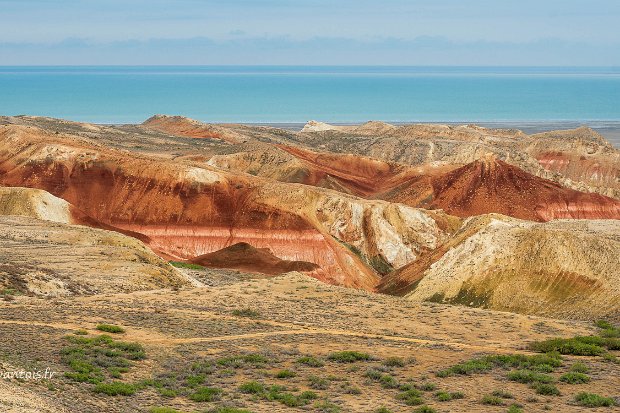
{"points": [[274, 94]]}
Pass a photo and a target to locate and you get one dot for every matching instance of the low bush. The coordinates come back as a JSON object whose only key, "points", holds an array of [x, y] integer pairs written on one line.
{"points": [[492, 400], [246, 312], [594, 400], [348, 356], [206, 394], [285, 374], [527, 376], [546, 389], [110, 328], [116, 388], [574, 378], [310, 361], [411, 397]]}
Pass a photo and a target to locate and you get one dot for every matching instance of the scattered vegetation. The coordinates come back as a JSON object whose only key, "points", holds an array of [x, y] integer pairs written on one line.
{"points": [[285, 374], [527, 376], [487, 363], [546, 389], [206, 394], [411, 397], [515, 408], [444, 396], [492, 400], [115, 388], [502, 394], [186, 265], [594, 400], [394, 362], [246, 312], [425, 409], [93, 359], [110, 328], [349, 356], [574, 378], [310, 361]]}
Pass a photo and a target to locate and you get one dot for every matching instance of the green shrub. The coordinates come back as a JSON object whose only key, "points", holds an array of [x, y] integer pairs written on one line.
{"points": [[326, 407], [492, 400], [604, 325], [482, 364], [310, 361], [116, 388], [243, 360], [527, 376], [349, 356], [318, 383], [206, 394], [187, 265], [427, 386], [383, 409], [110, 328], [389, 382], [546, 389], [164, 410], [394, 362], [515, 408], [578, 346], [579, 368], [252, 387], [574, 378], [246, 312], [411, 397], [443, 396], [285, 374], [425, 409], [502, 394], [228, 410], [594, 400]]}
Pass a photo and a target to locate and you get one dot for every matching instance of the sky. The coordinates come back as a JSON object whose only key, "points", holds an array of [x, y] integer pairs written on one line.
{"points": [[310, 32]]}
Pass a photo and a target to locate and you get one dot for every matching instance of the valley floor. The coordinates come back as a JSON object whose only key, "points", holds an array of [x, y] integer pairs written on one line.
{"points": [[253, 330]]}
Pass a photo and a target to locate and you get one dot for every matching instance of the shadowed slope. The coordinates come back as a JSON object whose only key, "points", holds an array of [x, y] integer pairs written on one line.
{"points": [[243, 256]]}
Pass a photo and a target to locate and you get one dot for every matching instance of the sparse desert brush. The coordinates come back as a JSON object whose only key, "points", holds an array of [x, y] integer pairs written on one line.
{"points": [[528, 376], [206, 394], [228, 410], [483, 364], [252, 387], [411, 397], [578, 346], [164, 410], [115, 388], [110, 328], [574, 377], [246, 312], [546, 389], [349, 356], [318, 383], [515, 408], [186, 265], [251, 359], [426, 386], [594, 400], [326, 406], [492, 400], [503, 394], [394, 362], [383, 409], [444, 396], [310, 361], [425, 409], [285, 374]]}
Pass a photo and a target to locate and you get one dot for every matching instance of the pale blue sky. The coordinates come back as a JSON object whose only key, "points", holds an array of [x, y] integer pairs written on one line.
{"points": [[322, 32]]}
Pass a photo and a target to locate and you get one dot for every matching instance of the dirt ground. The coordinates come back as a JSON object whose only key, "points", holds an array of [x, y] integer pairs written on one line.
{"points": [[291, 316]]}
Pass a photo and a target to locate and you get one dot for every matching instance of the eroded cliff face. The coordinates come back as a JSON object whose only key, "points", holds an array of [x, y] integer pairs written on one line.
{"points": [[490, 185], [564, 268]]}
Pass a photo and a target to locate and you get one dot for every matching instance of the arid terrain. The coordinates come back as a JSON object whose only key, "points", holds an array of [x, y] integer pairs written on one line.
{"points": [[179, 266]]}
